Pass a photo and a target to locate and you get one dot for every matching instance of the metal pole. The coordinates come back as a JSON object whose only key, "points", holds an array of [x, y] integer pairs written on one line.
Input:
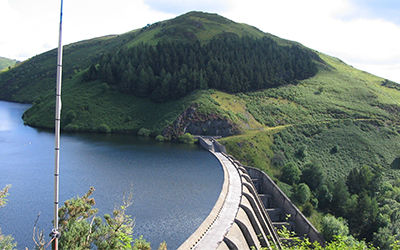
{"points": [[55, 234]]}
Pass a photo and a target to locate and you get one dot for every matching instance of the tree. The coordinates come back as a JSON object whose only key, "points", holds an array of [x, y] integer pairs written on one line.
{"points": [[332, 226], [231, 64], [362, 180], [3, 195], [396, 163], [80, 228], [290, 173], [313, 176], [363, 222], [324, 196], [91, 74], [302, 193], [186, 138], [301, 152], [340, 199], [278, 159], [6, 241]]}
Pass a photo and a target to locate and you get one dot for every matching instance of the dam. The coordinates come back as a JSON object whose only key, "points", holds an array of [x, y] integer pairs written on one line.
{"points": [[249, 210]]}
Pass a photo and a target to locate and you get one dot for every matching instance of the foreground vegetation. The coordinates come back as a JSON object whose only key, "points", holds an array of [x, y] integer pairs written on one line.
{"points": [[337, 242], [81, 228]]}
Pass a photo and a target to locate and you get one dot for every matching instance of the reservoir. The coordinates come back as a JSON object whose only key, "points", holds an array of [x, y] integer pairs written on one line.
{"points": [[174, 186]]}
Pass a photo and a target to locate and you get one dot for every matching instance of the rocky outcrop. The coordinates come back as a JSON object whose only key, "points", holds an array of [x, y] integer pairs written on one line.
{"points": [[196, 123]]}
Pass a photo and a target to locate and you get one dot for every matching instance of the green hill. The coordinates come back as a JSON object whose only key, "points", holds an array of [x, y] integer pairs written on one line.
{"points": [[35, 76], [5, 63], [306, 118]]}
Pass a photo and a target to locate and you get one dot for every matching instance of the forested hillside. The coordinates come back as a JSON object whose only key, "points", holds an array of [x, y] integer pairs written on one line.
{"points": [[171, 70]]}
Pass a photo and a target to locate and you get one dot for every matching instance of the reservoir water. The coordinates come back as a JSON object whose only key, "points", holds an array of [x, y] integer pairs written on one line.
{"points": [[174, 186]]}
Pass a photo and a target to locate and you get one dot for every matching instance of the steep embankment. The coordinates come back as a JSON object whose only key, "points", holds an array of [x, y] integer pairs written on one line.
{"points": [[332, 143], [337, 117]]}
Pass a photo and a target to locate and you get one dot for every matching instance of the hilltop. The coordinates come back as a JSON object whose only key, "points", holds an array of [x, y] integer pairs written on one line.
{"points": [[5, 63], [34, 76], [198, 73]]}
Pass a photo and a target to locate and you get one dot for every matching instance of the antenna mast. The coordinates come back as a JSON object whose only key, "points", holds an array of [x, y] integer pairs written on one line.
{"points": [[55, 234]]}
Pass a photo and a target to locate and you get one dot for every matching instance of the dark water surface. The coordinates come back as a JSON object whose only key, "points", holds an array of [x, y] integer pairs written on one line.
{"points": [[174, 186]]}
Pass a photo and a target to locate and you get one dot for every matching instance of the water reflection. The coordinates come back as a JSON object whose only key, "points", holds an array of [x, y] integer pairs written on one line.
{"points": [[174, 186]]}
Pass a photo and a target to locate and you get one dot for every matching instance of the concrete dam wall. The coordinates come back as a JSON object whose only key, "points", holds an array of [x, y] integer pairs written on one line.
{"points": [[248, 211]]}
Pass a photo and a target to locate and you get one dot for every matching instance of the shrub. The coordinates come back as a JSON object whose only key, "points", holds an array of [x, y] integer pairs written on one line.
{"points": [[278, 159], [103, 128], [324, 196], [302, 193], [312, 175], [286, 188], [334, 149], [70, 116], [301, 152], [186, 138], [6, 241], [81, 228], [141, 244], [160, 138], [104, 87], [331, 226], [396, 163], [144, 132], [308, 209], [71, 127], [290, 173]]}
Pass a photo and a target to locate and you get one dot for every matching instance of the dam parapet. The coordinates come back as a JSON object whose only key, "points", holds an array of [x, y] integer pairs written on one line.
{"points": [[249, 210]]}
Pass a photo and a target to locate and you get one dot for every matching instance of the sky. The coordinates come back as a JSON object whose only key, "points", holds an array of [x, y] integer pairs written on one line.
{"points": [[363, 33]]}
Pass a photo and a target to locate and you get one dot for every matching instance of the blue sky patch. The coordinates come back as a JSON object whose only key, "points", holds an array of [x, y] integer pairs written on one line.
{"points": [[383, 9]]}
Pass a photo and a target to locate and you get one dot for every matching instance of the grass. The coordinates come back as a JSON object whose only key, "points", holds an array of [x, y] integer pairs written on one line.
{"points": [[234, 104], [253, 149], [92, 106], [36, 76], [340, 106], [197, 25], [5, 63]]}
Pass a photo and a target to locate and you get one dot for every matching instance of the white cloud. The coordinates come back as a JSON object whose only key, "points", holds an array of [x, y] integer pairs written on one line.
{"points": [[330, 26], [31, 27], [91, 18]]}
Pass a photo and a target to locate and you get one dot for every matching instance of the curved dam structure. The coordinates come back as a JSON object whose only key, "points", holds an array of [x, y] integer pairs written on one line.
{"points": [[243, 216]]}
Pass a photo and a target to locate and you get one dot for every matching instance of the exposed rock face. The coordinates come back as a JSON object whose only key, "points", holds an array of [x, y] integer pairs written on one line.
{"points": [[191, 121]]}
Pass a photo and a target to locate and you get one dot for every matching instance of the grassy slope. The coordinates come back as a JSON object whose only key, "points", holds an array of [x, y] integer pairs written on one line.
{"points": [[33, 80], [340, 106], [5, 63], [36, 76], [194, 25], [94, 104]]}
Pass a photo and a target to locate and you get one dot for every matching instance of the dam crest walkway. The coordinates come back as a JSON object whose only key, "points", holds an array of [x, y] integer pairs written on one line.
{"points": [[248, 211]]}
